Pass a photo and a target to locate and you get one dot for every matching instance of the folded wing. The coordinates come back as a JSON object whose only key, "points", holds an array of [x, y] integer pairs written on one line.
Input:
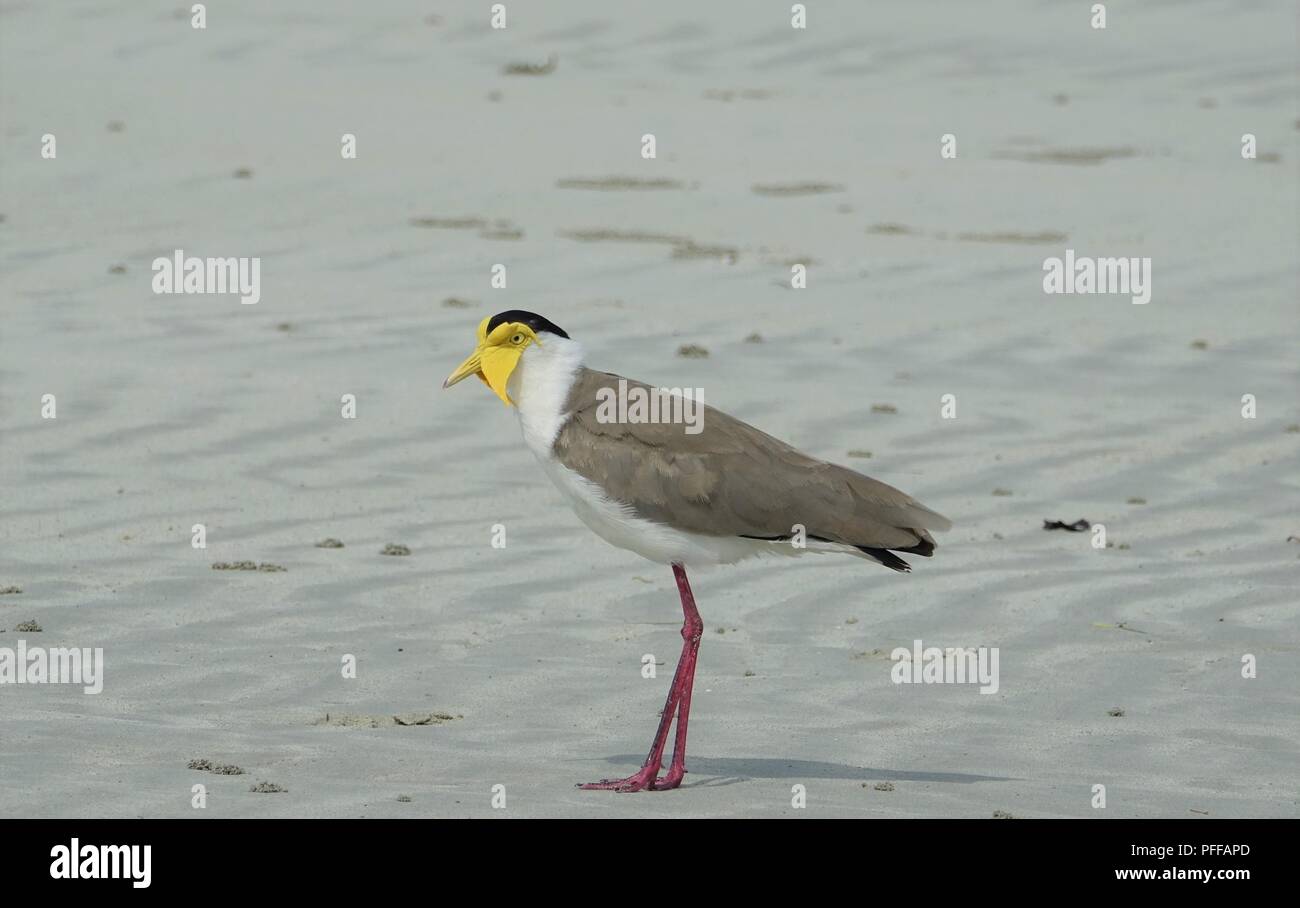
{"points": [[730, 479]]}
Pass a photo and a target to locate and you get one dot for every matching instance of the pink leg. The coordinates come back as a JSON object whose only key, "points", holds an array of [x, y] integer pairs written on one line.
{"points": [[679, 698], [692, 631]]}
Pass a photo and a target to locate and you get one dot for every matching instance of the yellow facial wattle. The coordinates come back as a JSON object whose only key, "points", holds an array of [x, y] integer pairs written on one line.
{"points": [[497, 356]]}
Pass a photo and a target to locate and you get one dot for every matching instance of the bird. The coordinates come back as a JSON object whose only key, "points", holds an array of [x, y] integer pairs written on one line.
{"points": [[686, 495]]}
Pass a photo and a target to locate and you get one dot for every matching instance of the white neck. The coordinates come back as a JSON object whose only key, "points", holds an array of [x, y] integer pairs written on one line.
{"points": [[540, 385]]}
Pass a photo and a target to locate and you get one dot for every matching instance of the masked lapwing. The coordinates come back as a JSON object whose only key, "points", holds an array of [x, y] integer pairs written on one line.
{"points": [[683, 494]]}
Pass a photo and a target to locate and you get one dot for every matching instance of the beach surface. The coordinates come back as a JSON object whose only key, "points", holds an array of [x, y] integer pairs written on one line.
{"points": [[511, 673]]}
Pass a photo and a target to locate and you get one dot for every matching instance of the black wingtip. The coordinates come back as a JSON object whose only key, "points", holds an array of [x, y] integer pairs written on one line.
{"points": [[887, 558]]}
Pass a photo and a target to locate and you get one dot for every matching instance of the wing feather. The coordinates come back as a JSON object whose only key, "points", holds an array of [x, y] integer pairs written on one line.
{"points": [[732, 479]]}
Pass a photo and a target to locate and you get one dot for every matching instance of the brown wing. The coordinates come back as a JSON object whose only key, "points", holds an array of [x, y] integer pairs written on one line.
{"points": [[733, 480]]}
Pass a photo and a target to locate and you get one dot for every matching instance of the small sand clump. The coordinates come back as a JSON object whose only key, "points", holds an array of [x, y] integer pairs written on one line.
{"points": [[265, 566]]}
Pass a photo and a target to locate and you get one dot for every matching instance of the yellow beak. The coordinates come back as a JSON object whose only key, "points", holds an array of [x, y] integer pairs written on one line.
{"points": [[495, 358], [470, 366]]}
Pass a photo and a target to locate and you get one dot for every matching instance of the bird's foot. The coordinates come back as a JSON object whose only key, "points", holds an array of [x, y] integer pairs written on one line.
{"points": [[642, 780], [671, 779]]}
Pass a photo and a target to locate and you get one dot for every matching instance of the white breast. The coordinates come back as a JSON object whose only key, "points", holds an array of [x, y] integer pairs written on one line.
{"points": [[539, 387]]}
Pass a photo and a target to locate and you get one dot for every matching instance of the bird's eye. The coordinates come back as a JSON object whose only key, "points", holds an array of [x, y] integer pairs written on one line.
{"points": [[517, 339]]}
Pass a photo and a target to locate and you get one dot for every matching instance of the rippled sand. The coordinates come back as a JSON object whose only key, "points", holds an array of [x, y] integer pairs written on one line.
{"points": [[180, 410]]}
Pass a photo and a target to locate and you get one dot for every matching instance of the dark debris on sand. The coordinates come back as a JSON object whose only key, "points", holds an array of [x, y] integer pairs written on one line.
{"points": [[1079, 526], [532, 69]]}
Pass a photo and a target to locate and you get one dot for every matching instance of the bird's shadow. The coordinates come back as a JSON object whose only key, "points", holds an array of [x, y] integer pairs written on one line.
{"points": [[730, 770]]}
